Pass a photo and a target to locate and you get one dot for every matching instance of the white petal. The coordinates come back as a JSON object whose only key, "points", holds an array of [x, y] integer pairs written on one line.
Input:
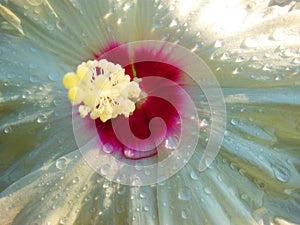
{"points": [[68, 191], [32, 109]]}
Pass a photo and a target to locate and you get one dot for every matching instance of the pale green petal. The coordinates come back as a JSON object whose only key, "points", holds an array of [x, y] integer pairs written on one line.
{"points": [[68, 191], [210, 197], [252, 47], [32, 109]]}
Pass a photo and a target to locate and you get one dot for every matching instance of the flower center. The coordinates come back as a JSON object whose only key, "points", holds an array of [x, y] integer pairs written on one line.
{"points": [[124, 102], [147, 109], [103, 90]]}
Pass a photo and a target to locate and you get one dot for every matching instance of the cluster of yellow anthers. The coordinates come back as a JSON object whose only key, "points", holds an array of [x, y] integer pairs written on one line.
{"points": [[102, 89]]}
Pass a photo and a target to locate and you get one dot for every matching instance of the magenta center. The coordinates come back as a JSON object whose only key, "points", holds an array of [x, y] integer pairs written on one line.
{"points": [[147, 108]]}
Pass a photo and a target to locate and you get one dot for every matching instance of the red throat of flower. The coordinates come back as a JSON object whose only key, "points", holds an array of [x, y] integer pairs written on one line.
{"points": [[147, 108]]}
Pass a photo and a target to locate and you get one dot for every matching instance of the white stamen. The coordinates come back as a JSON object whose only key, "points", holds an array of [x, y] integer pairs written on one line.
{"points": [[103, 90]]}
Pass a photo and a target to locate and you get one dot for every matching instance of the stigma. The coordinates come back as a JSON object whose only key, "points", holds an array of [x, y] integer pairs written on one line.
{"points": [[102, 90]]}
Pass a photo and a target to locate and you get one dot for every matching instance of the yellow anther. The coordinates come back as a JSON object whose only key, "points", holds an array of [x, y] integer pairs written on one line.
{"points": [[81, 71], [70, 80], [75, 95], [102, 89]]}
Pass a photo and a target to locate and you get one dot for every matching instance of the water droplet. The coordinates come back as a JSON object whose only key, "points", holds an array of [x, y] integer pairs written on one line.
{"points": [[63, 220], [49, 26], [267, 67], [42, 118], [234, 122], [85, 187], [136, 181], [138, 166], [53, 76], [120, 209], [22, 115], [121, 20], [57, 102], [33, 79], [26, 94], [197, 47], [174, 23], [121, 178], [61, 163], [105, 169], [37, 10], [244, 196], [7, 130], [207, 190], [129, 153], [61, 26], [127, 6], [147, 172], [171, 142], [10, 75], [121, 190], [146, 208], [108, 148], [278, 78], [194, 175], [210, 163], [35, 2], [281, 173], [250, 43], [225, 56], [32, 65], [240, 59], [287, 53], [219, 43], [296, 61], [184, 214], [75, 180], [184, 194], [279, 35]]}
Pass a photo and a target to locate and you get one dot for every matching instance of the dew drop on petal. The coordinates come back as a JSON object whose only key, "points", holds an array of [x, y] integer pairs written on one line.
{"points": [[75, 180], [250, 43], [42, 118], [7, 130], [107, 148], [194, 175], [61, 163], [105, 169], [278, 78], [61, 26], [171, 142], [219, 43], [53, 76], [244, 196], [22, 115], [26, 94], [281, 173], [121, 178], [63, 221], [33, 79], [184, 194], [207, 190], [234, 122], [136, 181], [146, 208], [184, 214]]}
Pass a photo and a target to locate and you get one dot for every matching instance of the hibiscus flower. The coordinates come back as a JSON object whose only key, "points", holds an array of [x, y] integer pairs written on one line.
{"points": [[180, 61]]}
